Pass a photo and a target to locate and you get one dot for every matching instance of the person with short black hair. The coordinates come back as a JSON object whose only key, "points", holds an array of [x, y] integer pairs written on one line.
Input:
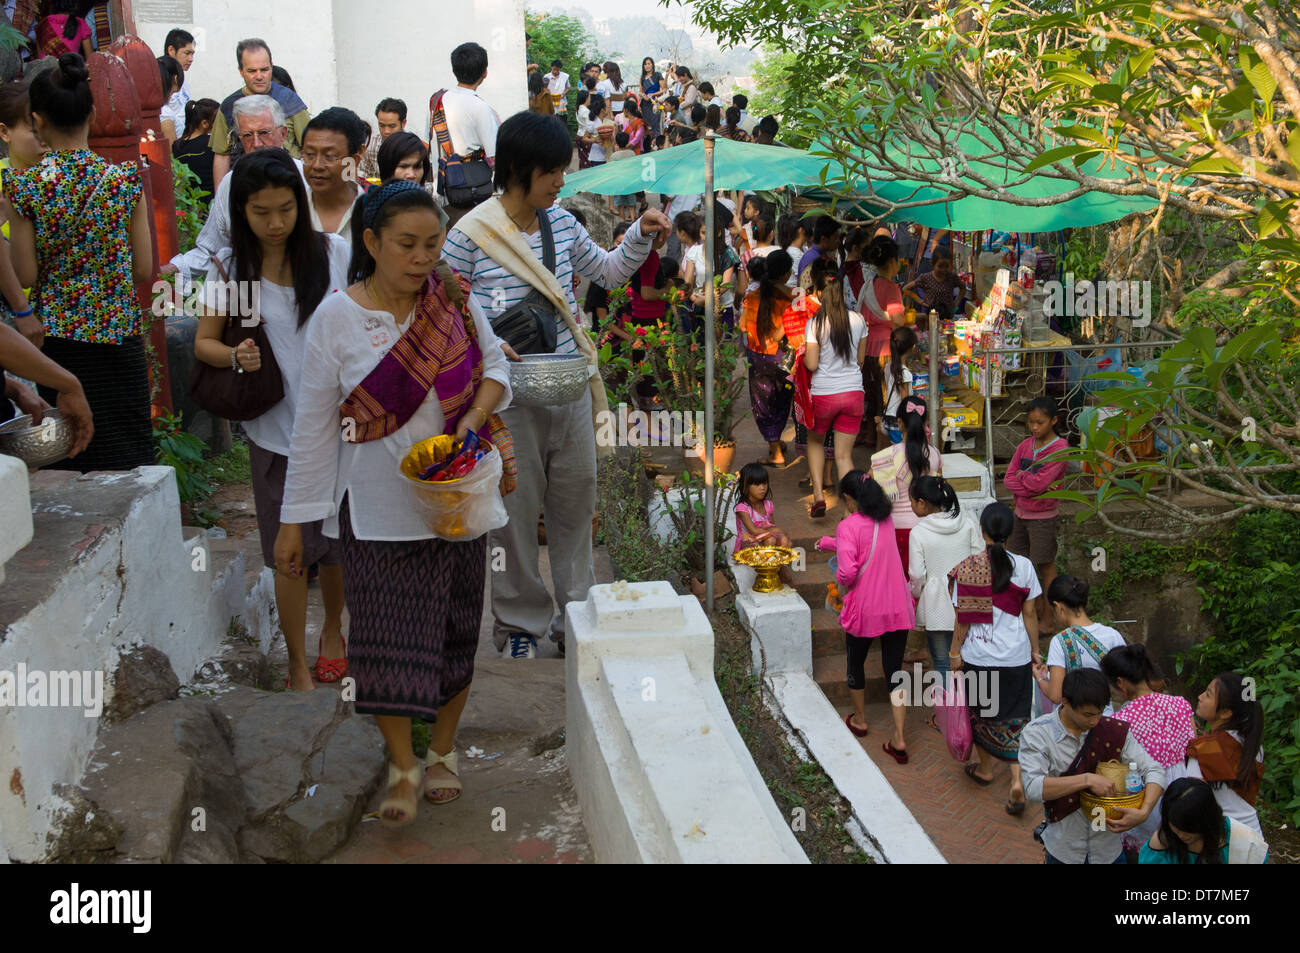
{"points": [[253, 57], [825, 244], [765, 132], [79, 236], [470, 123], [555, 447], [405, 156], [746, 123], [390, 117], [1058, 756], [1079, 643], [332, 146], [557, 84], [539, 98], [179, 45]]}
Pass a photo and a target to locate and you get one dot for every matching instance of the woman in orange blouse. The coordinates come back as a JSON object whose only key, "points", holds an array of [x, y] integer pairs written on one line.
{"points": [[770, 390]]}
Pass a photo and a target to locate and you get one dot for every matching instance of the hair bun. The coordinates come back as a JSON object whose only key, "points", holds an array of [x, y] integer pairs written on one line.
{"points": [[74, 68]]}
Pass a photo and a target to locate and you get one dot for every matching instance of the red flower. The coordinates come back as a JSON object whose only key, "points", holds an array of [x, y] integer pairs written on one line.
{"points": [[642, 332]]}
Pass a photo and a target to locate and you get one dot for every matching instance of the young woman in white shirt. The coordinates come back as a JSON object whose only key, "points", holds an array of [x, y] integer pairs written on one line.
{"points": [[995, 640], [414, 601], [292, 268], [835, 345], [612, 87]]}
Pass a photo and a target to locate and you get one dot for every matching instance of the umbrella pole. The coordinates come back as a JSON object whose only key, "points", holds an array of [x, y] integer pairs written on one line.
{"points": [[709, 317]]}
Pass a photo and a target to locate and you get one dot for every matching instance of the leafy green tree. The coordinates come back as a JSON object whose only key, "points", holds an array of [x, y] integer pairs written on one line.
{"points": [[1195, 107]]}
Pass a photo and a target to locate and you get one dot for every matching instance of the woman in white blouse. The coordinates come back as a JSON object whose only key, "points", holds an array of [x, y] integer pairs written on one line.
{"points": [[414, 601], [294, 268]]}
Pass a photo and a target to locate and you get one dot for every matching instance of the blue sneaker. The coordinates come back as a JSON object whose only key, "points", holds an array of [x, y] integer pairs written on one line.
{"points": [[521, 645]]}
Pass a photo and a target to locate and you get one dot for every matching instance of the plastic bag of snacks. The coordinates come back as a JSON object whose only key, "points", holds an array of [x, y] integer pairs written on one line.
{"points": [[456, 486]]}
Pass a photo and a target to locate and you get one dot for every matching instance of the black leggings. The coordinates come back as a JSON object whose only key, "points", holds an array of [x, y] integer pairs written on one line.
{"points": [[893, 644]]}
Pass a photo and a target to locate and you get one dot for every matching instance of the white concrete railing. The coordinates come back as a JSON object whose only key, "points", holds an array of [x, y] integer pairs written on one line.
{"points": [[781, 623], [15, 509], [661, 773]]}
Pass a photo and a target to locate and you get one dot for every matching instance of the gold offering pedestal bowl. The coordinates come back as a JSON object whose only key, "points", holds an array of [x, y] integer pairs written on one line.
{"points": [[767, 562]]}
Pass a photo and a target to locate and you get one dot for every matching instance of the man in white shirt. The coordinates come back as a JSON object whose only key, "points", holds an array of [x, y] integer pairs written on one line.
{"points": [[1050, 762], [180, 46], [557, 84], [332, 147], [471, 123]]}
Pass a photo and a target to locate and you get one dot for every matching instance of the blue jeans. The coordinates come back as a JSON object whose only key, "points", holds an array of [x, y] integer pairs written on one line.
{"points": [[940, 642]]}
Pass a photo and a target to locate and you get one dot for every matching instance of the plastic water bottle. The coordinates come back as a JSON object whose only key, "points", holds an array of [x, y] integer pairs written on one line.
{"points": [[1133, 780]]}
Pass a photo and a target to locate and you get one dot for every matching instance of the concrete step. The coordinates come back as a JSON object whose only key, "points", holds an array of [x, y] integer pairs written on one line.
{"points": [[829, 673], [827, 636], [812, 582]]}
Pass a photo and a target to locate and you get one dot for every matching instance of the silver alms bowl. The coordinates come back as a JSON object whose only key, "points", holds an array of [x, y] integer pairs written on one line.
{"points": [[543, 380], [39, 446]]}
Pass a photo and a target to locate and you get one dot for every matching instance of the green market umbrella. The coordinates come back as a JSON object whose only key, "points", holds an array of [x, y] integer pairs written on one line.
{"points": [[972, 213], [680, 170]]}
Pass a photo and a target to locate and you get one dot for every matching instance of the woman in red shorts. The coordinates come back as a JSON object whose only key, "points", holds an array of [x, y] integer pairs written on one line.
{"points": [[835, 348]]}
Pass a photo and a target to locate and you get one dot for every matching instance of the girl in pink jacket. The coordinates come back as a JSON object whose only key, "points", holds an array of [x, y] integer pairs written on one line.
{"points": [[877, 600], [1029, 475]]}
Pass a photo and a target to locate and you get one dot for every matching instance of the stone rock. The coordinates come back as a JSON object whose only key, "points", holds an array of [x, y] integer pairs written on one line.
{"points": [[214, 845], [144, 677], [531, 714], [322, 823], [274, 738], [85, 833], [240, 663], [150, 772]]}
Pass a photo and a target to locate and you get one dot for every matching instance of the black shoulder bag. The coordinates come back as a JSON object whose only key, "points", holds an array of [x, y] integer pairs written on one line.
{"points": [[531, 326]]}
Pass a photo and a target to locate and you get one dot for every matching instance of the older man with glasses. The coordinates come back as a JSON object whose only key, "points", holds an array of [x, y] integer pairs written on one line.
{"points": [[259, 124]]}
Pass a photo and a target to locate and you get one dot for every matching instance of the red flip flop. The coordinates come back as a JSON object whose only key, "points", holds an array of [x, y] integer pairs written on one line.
{"points": [[332, 669], [899, 756], [858, 732]]}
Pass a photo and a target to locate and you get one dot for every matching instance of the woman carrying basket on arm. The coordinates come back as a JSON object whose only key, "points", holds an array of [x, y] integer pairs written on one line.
{"points": [[402, 355]]}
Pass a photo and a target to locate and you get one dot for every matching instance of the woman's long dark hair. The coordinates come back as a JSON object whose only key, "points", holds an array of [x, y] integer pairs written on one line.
{"points": [[614, 73], [169, 70], [713, 117], [1247, 720], [399, 146], [362, 265], [1189, 805], [651, 61], [305, 249], [915, 443], [998, 521], [901, 341], [73, 10], [833, 310], [770, 271]]}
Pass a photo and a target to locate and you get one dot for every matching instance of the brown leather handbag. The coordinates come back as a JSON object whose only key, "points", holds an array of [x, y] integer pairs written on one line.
{"points": [[225, 392]]}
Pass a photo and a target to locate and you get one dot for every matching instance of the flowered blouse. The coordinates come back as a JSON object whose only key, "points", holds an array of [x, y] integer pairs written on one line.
{"points": [[80, 206], [1162, 725], [760, 516]]}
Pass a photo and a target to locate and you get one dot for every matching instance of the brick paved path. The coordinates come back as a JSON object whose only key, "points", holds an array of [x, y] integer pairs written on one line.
{"points": [[966, 822]]}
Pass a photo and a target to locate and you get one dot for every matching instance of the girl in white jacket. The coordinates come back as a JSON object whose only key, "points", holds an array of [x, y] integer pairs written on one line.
{"points": [[943, 538]]}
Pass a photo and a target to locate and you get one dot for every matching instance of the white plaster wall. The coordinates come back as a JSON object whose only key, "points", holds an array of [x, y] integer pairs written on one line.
{"points": [[346, 53], [299, 32], [15, 509]]}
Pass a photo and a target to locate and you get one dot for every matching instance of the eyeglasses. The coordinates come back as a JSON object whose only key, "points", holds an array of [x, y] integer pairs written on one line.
{"points": [[257, 134], [315, 158]]}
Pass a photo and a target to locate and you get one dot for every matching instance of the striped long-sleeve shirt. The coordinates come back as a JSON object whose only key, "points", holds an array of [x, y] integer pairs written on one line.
{"points": [[497, 290]]}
